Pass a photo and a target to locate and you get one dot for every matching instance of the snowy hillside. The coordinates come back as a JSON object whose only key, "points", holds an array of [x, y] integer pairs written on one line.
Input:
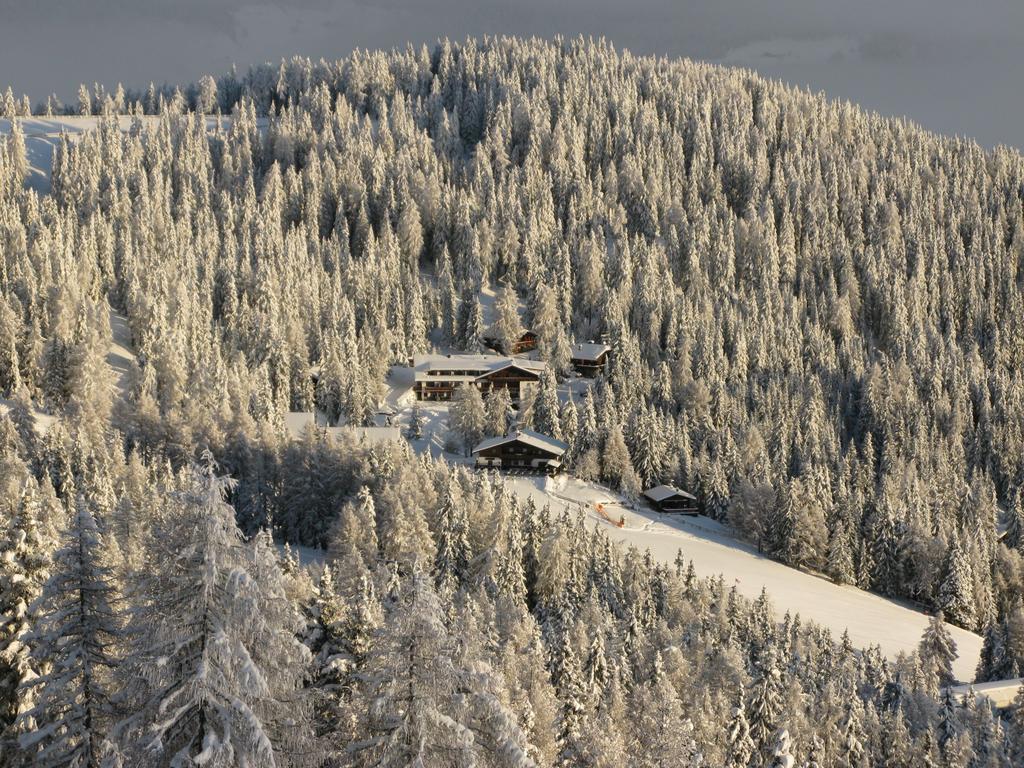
{"points": [[43, 136], [811, 319], [868, 618]]}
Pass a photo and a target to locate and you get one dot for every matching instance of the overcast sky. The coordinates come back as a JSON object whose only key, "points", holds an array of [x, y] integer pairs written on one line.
{"points": [[954, 66]]}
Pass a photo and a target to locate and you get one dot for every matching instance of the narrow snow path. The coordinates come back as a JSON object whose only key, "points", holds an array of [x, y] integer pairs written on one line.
{"points": [[120, 354], [869, 618]]}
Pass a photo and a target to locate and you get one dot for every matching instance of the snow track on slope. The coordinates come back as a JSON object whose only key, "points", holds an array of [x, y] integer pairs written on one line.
{"points": [[869, 618]]}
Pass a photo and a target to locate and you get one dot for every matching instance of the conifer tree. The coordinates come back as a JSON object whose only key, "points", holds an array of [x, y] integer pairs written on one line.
{"points": [[938, 650], [73, 641], [410, 687], [497, 407], [214, 668], [507, 326], [546, 407], [467, 417], [765, 705], [29, 537], [740, 745], [955, 591]]}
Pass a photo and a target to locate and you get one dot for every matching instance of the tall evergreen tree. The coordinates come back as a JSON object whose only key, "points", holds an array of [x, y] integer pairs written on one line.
{"points": [[74, 641]]}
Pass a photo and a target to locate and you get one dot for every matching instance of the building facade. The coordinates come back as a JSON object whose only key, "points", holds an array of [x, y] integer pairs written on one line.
{"points": [[667, 498], [523, 449], [438, 376], [526, 342], [590, 359]]}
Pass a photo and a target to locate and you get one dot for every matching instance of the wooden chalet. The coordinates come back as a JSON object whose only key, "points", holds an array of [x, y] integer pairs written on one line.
{"points": [[522, 449], [438, 376], [666, 498], [590, 359], [526, 342]]}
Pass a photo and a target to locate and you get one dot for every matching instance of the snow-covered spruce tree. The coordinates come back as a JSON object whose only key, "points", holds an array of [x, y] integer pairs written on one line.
{"points": [[30, 517], [616, 465], [937, 650], [547, 410], [659, 732], [415, 429], [467, 417], [451, 563], [740, 745], [214, 669], [73, 642], [955, 597], [765, 705], [498, 411], [507, 326], [469, 325], [411, 714], [574, 720]]}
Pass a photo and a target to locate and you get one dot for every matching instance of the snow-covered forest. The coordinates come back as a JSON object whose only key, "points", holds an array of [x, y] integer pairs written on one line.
{"points": [[817, 326]]}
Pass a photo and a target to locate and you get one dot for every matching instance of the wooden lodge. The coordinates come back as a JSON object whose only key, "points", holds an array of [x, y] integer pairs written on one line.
{"points": [[527, 342], [438, 376], [522, 449], [666, 498], [590, 359]]}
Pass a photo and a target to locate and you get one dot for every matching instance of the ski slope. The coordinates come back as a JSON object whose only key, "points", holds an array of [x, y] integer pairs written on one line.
{"points": [[869, 618]]}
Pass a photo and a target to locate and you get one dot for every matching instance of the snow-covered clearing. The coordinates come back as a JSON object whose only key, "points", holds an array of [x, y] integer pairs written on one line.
{"points": [[43, 420], [309, 557], [1000, 692], [869, 618], [42, 136]]}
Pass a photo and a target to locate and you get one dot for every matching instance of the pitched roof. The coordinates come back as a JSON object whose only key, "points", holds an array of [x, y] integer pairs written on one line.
{"points": [[527, 437], [589, 351], [662, 492], [475, 366], [296, 421], [530, 366]]}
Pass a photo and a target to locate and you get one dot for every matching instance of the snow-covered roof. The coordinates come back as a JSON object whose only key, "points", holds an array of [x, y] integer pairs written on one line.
{"points": [[532, 366], [474, 366], [662, 492], [480, 363], [296, 421], [589, 351], [527, 437]]}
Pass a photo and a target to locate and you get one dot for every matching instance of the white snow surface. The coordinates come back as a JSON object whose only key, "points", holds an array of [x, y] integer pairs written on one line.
{"points": [[869, 618], [309, 557], [1000, 692], [120, 355]]}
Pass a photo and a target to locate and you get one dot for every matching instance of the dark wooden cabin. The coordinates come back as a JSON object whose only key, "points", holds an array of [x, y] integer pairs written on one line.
{"points": [[522, 449], [512, 377], [590, 359], [526, 342], [666, 498]]}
